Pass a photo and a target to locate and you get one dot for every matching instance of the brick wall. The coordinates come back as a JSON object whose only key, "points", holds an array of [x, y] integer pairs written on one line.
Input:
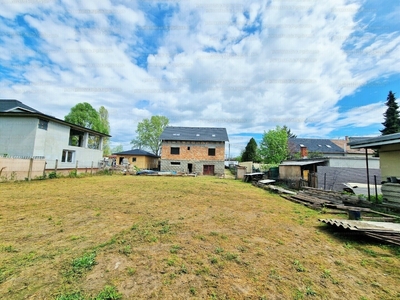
{"points": [[193, 150], [194, 153]]}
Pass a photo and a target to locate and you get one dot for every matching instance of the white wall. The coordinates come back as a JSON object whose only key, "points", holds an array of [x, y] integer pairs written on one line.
{"points": [[353, 162], [17, 136], [22, 137]]}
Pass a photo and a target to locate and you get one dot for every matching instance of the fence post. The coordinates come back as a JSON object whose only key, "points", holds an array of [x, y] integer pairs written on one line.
{"points": [[76, 168], [55, 167], [30, 169], [44, 169], [91, 169]]}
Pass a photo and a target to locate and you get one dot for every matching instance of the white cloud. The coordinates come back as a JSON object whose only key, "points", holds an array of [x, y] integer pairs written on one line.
{"points": [[209, 68]]}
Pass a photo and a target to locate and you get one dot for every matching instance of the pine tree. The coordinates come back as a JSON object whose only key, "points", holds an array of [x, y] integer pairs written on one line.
{"points": [[250, 153], [289, 133], [392, 118]]}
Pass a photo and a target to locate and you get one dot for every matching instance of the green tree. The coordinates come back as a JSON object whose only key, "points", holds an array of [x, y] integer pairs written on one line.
{"points": [[274, 146], [392, 118], [105, 128], [289, 133], [83, 114], [250, 152], [137, 144], [148, 133], [117, 149]]}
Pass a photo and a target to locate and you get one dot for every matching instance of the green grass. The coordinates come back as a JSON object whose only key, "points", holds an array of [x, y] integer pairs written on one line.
{"points": [[178, 238], [84, 263]]}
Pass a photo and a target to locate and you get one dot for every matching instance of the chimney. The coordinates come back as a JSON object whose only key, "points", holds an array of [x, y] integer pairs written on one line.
{"points": [[303, 152]]}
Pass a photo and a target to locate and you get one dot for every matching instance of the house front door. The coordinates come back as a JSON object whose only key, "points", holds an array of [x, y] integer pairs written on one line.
{"points": [[208, 170]]}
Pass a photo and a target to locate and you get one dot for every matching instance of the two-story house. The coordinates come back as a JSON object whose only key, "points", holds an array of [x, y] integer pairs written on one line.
{"points": [[27, 132], [198, 150]]}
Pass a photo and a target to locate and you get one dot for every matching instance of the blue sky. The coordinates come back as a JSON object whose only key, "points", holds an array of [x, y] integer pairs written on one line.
{"points": [[322, 69]]}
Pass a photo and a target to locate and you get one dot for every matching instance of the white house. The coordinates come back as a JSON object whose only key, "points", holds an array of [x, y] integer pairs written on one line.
{"points": [[26, 132]]}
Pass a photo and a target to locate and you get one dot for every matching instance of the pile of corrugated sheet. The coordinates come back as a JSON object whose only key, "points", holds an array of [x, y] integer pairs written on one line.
{"points": [[335, 202], [385, 231]]}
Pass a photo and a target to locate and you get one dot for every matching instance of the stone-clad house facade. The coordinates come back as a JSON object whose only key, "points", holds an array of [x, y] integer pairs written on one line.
{"points": [[199, 150]]}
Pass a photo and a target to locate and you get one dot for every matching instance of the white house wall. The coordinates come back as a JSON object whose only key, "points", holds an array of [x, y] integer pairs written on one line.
{"points": [[51, 142], [22, 137], [17, 136], [83, 156], [57, 140]]}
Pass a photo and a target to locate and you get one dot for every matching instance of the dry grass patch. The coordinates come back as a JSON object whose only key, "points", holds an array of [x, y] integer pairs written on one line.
{"points": [[127, 237]]}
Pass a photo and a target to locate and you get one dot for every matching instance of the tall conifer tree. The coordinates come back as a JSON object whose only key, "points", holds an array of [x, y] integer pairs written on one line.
{"points": [[392, 118]]}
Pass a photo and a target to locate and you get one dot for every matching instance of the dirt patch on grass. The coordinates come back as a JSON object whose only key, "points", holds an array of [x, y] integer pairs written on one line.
{"points": [[179, 238]]}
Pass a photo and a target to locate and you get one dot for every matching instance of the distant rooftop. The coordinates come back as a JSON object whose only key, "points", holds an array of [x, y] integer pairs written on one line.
{"points": [[344, 143], [137, 152], [314, 145]]}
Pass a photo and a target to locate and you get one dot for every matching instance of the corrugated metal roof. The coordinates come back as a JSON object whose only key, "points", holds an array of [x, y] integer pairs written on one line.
{"points": [[301, 162]]}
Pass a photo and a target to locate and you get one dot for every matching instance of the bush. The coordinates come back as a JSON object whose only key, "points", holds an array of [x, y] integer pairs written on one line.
{"points": [[378, 199], [53, 175], [73, 174]]}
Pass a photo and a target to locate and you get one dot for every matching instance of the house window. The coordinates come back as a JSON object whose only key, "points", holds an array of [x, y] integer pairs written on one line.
{"points": [[76, 138], [133, 159], [175, 150], [211, 151], [94, 142], [43, 124], [176, 163], [68, 156]]}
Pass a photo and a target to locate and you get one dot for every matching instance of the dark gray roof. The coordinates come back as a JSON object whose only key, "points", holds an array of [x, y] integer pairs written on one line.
{"points": [[137, 152], [8, 105], [314, 145], [375, 142], [210, 134]]}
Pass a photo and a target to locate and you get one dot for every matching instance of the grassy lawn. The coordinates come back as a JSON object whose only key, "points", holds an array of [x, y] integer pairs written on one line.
{"points": [[138, 237]]}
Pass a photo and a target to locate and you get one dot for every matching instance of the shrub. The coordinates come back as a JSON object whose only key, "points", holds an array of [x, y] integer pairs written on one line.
{"points": [[53, 175]]}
